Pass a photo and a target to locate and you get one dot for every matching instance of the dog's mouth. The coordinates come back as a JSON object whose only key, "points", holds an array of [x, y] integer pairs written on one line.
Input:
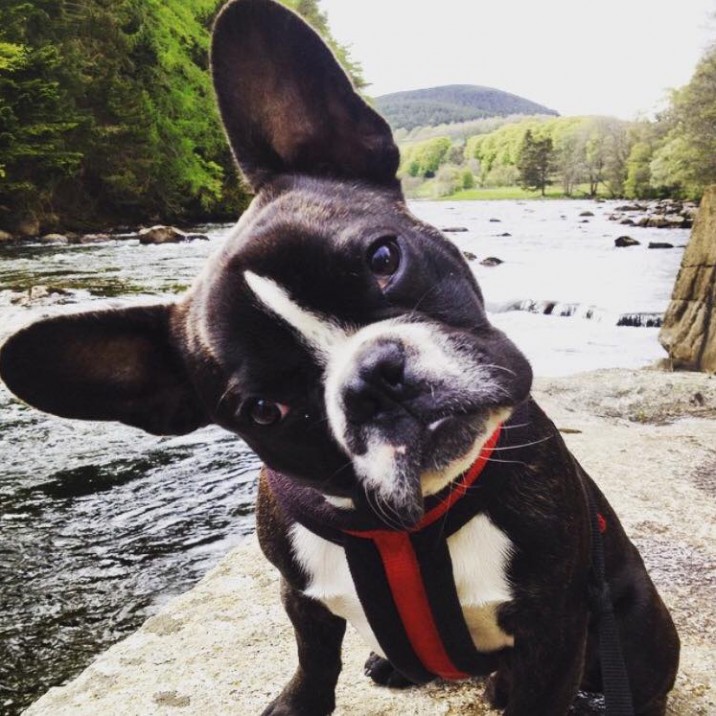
{"points": [[400, 469]]}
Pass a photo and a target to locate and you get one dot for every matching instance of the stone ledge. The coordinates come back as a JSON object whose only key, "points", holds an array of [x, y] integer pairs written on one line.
{"points": [[226, 647]]}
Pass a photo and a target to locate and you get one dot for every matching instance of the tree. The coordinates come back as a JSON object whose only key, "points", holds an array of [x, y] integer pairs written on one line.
{"points": [[107, 113], [686, 161], [535, 162], [424, 158]]}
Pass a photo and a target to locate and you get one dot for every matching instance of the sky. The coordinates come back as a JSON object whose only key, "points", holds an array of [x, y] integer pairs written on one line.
{"points": [[609, 57]]}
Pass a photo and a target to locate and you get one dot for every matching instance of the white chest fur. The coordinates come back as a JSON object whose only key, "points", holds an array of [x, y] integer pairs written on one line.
{"points": [[480, 554]]}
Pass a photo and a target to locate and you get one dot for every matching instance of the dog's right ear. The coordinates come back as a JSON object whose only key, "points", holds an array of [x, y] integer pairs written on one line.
{"points": [[287, 105], [121, 364]]}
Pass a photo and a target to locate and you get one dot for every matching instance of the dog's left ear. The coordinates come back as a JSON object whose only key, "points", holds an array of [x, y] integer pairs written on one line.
{"points": [[287, 105]]}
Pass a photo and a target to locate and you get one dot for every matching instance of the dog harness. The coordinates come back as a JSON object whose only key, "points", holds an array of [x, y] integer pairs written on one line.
{"points": [[404, 578]]}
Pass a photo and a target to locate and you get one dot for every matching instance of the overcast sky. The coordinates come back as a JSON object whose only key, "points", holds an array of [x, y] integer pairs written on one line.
{"points": [[614, 57]]}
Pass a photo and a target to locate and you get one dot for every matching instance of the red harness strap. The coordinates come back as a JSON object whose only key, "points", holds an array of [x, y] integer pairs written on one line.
{"points": [[404, 577]]}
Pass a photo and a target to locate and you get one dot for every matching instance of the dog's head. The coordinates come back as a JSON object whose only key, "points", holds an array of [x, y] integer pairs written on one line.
{"points": [[342, 338]]}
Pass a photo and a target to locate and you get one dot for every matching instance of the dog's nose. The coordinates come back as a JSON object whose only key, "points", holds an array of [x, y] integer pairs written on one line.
{"points": [[377, 383]]}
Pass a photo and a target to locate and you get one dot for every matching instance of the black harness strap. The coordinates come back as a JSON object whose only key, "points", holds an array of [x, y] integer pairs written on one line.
{"points": [[615, 679]]}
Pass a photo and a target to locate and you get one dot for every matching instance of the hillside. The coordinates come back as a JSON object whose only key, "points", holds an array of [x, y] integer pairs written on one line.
{"points": [[452, 103]]}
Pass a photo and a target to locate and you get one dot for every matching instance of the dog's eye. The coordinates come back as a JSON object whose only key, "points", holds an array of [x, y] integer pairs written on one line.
{"points": [[266, 412], [384, 258]]}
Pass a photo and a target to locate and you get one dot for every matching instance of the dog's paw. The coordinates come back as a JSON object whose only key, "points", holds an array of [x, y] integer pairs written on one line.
{"points": [[496, 691], [384, 673]]}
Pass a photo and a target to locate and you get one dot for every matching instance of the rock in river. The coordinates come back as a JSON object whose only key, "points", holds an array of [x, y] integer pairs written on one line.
{"points": [[623, 241], [160, 234]]}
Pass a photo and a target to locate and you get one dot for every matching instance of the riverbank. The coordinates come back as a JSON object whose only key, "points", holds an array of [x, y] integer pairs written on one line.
{"points": [[226, 645]]}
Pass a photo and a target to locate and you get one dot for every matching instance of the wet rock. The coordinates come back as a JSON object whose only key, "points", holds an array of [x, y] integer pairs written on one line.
{"points": [[469, 255], [5, 236], [495, 221], [689, 330], [505, 235], [161, 234], [491, 261], [624, 241], [453, 229], [658, 221], [90, 238], [40, 295], [586, 213], [660, 245], [28, 228], [664, 214], [54, 239], [631, 207]]}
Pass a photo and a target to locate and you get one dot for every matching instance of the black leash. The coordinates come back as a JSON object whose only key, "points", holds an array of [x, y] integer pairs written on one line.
{"points": [[615, 679]]}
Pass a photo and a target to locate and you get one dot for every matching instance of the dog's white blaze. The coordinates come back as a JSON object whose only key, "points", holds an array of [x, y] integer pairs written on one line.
{"points": [[480, 554], [319, 333]]}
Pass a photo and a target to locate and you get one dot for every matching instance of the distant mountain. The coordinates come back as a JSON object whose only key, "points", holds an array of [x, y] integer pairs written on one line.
{"points": [[452, 103]]}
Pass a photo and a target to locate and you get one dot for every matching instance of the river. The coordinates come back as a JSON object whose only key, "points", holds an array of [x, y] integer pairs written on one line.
{"points": [[101, 524]]}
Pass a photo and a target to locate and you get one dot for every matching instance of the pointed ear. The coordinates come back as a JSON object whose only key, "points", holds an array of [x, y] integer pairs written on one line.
{"points": [[287, 105], [110, 365]]}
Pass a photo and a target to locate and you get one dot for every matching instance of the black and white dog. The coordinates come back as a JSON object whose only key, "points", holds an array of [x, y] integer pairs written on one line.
{"points": [[412, 487]]}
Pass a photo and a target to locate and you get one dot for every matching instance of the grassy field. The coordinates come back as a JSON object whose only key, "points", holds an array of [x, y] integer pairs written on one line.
{"points": [[515, 192]]}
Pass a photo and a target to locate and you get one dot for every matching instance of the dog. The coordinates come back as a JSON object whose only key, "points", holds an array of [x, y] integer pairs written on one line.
{"points": [[411, 485]]}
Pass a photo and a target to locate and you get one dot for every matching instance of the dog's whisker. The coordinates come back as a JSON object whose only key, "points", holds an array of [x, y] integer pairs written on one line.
{"points": [[523, 445]]}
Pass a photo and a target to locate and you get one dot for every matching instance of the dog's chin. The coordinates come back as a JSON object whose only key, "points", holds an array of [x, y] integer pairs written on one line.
{"points": [[398, 472]]}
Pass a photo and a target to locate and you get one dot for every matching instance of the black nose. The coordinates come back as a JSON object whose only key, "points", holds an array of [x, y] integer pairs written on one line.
{"points": [[377, 384]]}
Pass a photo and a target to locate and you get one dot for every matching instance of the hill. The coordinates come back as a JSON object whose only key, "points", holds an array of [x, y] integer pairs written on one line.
{"points": [[452, 103]]}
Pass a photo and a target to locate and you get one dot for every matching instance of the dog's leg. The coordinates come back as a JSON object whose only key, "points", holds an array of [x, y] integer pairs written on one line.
{"points": [[319, 635], [497, 688], [545, 667]]}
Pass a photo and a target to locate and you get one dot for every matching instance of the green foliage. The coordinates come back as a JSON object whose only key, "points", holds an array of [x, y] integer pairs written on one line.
{"points": [[424, 158], [468, 180], [452, 103], [107, 113], [685, 163], [535, 162]]}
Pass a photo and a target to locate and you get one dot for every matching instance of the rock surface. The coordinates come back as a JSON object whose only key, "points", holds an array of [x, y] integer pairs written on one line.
{"points": [[55, 238], [625, 241], [226, 646], [663, 214], [161, 235], [689, 330]]}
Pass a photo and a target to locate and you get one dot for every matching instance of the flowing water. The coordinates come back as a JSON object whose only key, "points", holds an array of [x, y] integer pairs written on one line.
{"points": [[100, 524]]}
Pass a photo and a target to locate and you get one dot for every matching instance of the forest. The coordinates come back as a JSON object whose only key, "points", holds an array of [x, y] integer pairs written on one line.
{"points": [[107, 114], [107, 119], [673, 155], [451, 104]]}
